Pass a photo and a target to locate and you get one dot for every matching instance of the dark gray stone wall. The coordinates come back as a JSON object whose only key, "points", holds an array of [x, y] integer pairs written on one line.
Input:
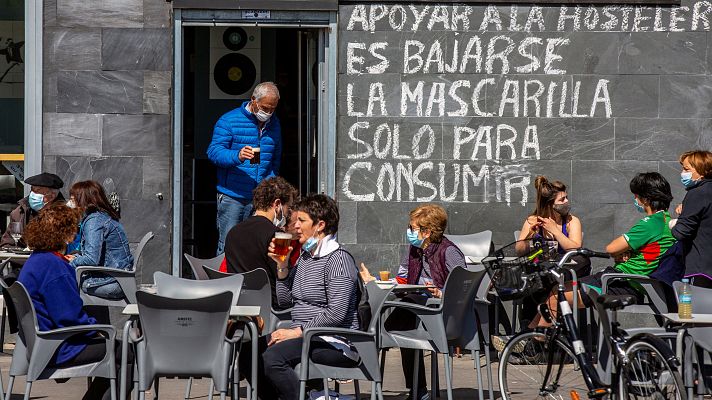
{"points": [[652, 64], [106, 102]]}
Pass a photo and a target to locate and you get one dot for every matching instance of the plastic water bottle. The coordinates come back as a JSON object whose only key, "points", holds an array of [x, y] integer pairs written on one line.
{"points": [[684, 305]]}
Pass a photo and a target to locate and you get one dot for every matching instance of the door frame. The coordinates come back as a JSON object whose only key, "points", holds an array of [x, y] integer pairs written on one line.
{"points": [[326, 22]]}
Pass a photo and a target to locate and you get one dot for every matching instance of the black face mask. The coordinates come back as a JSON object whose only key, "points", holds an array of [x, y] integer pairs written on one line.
{"points": [[562, 209]]}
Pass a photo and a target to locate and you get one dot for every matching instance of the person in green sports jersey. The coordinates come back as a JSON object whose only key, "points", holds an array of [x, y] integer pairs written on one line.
{"points": [[637, 251]]}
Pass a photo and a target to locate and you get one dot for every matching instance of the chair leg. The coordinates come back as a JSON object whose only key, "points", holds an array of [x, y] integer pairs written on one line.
{"points": [[373, 390], [223, 396], [187, 388], [434, 381], [28, 388], [379, 390], [383, 360], [448, 376], [141, 395], [478, 369], [10, 382], [302, 389], [416, 368], [357, 389], [326, 389], [113, 388], [155, 388], [488, 361], [211, 389], [2, 330]]}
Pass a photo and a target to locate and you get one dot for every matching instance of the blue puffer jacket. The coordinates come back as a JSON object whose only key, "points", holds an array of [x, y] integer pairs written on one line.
{"points": [[233, 131]]}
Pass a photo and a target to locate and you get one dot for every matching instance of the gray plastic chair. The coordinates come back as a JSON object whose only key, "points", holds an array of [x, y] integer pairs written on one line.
{"points": [[125, 278], [214, 273], [181, 288], [38, 347], [196, 265], [452, 323], [183, 338], [701, 338], [474, 246], [366, 344]]}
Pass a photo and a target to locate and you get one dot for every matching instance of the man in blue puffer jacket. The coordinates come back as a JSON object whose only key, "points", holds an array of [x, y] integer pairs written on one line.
{"points": [[246, 148]]}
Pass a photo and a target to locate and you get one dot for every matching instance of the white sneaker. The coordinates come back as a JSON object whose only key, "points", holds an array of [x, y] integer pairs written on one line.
{"points": [[319, 395]]}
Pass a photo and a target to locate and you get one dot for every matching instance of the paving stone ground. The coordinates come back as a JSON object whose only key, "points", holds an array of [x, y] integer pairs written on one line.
{"points": [[394, 387]]}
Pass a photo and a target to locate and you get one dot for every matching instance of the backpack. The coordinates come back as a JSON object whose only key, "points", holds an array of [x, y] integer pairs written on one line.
{"points": [[672, 265]]}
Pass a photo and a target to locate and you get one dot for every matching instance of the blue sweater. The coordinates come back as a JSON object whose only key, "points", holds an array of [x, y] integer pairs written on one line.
{"points": [[233, 131], [52, 286]]}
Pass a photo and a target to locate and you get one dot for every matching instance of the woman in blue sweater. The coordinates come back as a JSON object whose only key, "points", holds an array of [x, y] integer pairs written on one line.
{"points": [[103, 241], [52, 286]]}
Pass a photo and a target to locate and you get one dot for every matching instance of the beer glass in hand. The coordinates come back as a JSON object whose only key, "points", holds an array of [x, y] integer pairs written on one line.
{"points": [[281, 244], [256, 156]]}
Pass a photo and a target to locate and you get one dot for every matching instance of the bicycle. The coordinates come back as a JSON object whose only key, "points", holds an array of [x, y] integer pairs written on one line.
{"points": [[556, 362]]}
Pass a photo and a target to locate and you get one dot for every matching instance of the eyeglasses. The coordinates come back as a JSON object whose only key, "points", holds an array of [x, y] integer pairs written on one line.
{"points": [[413, 229]]}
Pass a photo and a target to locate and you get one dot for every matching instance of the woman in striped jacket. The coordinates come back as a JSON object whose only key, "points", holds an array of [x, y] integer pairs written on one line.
{"points": [[322, 288]]}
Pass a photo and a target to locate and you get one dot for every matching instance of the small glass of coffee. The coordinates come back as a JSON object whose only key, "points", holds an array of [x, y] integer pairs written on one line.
{"points": [[384, 275], [281, 244], [256, 155]]}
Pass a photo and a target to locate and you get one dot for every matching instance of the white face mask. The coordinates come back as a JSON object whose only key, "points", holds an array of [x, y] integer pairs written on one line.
{"points": [[262, 116], [279, 222], [71, 204]]}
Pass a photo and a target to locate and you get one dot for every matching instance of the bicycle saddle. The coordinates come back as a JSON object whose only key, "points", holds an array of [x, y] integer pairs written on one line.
{"points": [[616, 301]]}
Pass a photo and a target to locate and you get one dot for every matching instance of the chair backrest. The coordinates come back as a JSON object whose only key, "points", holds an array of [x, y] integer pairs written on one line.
{"points": [[474, 245], [214, 273], [21, 310], [457, 304], [516, 235], [376, 298], [701, 304], [184, 336], [139, 250], [196, 264], [256, 291], [180, 288]]}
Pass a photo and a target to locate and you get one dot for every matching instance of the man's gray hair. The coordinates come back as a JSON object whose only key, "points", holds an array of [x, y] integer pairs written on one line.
{"points": [[265, 88]]}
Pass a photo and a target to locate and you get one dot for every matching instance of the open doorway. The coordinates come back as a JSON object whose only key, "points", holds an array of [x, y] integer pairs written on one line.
{"points": [[222, 66]]}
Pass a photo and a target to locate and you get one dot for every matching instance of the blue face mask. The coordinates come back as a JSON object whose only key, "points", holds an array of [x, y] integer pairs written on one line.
{"points": [[412, 237], [638, 206], [686, 179], [36, 201], [310, 244]]}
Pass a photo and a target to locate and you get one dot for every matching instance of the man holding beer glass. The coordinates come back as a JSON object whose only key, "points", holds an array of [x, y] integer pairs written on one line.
{"points": [[247, 242], [246, 148]]}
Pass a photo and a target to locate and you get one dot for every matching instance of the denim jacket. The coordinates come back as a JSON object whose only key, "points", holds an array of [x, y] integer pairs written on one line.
{"points": [[103, 243]]}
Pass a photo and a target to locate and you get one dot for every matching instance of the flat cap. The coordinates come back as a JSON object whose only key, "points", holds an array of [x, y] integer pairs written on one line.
{"points": [[45, 179]]}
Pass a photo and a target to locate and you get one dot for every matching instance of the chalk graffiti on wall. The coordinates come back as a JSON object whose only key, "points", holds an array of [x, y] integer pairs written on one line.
{"points": [[458, 75]]}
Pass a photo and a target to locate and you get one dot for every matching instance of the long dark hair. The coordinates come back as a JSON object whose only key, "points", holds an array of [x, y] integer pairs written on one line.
{"points": [[546, 192], [90, 197]]}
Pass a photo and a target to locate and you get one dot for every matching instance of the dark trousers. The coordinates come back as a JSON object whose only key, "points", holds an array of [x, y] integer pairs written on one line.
{"points": [[404, 320], [276, 375], [99, 389]]}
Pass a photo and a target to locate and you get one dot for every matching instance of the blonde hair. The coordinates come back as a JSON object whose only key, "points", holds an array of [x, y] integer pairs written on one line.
{"points": [[700, 160], [433, 218]]}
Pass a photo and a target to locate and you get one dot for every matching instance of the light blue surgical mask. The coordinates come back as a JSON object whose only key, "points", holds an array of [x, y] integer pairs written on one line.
{"points": [[36, 201], [413, 239], [637, 205], [311, 243], [686, 179]]}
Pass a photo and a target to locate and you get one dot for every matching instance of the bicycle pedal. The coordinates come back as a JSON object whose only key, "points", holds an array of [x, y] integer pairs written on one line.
{"points": [[598, 393]]}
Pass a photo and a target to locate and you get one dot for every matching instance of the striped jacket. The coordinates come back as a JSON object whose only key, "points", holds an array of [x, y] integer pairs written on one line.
{"points": [[322, 288]]}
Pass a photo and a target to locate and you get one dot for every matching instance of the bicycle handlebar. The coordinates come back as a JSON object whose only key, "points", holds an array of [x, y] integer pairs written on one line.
{"points": [[583, 252]]}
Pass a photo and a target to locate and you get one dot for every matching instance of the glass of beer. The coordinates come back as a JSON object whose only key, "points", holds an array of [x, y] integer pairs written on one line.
{"points": [[384, 275], [256, 157], [281, 244]]}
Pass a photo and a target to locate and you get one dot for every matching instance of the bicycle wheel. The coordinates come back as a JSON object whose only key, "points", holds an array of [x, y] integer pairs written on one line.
{"points": [[523, 369], [650, 374]]}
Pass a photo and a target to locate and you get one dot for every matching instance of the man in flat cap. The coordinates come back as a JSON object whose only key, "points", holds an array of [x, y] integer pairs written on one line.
{"points": [[44, 190]]}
